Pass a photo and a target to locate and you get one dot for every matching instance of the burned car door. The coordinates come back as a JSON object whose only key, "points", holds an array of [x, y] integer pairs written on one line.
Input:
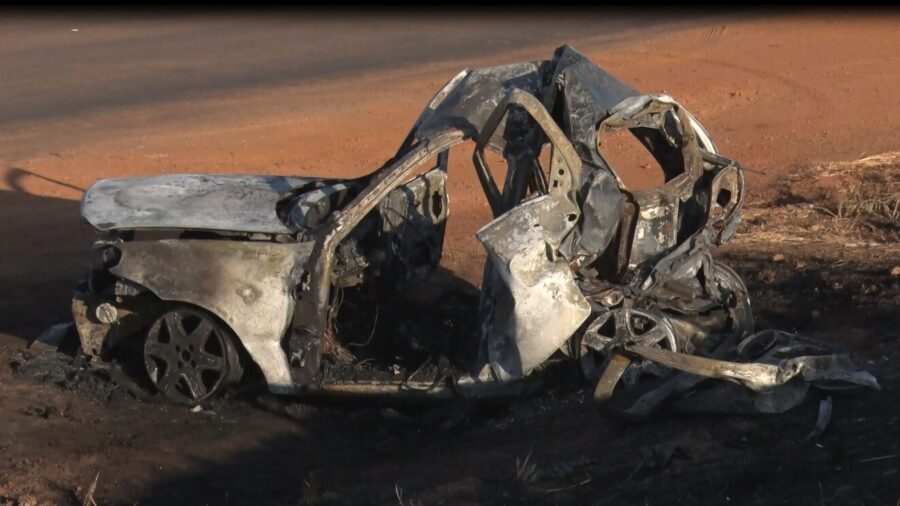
{"points": [[531, 303]]}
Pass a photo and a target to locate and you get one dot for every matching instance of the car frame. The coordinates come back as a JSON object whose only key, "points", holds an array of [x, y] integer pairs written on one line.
{"points": [[622, 282]]}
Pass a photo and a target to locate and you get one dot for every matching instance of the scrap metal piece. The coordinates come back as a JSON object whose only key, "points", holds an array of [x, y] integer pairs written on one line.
{"points": [[825, 370], [753, 376], [724, 397], [52, 338], [822, 419], [93, 334], [616, 367], [652, 401], [310, 209], [536, 282]]}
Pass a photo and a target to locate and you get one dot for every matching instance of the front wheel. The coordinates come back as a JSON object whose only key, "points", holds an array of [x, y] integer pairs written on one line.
{"points": [[189, 357]]}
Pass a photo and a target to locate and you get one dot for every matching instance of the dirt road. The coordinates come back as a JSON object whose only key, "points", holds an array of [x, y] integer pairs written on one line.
{"points": [[335, 96]]}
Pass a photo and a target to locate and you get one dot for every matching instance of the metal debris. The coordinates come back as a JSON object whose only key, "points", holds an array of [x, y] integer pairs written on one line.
{"points": [[52, 338], [580, 267], [823, 419]]}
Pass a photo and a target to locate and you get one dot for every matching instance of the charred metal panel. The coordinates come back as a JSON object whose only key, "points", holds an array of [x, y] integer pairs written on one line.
{"points": [[248, 285], [537, 305], [190, 201], [589, 93], [656, 227], [726, 201], [468, 100]]}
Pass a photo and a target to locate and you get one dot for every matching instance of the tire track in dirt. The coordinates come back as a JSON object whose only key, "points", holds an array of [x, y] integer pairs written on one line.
{"points": [[789, 83]]}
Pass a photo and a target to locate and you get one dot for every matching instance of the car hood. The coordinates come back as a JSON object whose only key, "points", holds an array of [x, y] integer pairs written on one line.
{"points": [[235, 203]]}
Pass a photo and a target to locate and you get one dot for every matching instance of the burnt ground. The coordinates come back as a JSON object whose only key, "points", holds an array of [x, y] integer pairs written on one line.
{"points": [[66, 424]]}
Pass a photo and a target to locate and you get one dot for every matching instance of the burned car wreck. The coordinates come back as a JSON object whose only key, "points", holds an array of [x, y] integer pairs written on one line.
{"points": [[212, 273]]}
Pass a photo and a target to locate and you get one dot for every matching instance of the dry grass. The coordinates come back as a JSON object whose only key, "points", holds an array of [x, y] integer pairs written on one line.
{"points": [[868, 188], [851, 204], [527, 473]]}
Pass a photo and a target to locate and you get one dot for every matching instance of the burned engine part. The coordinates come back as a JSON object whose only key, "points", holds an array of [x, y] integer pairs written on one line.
{"points": [[189, 357], [309, 209], [350, 265]]}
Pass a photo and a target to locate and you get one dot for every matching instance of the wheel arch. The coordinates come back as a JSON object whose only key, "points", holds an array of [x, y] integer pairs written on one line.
{"points": [[247, 286]]}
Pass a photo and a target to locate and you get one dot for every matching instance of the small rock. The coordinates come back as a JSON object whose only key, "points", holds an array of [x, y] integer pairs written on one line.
{"points": [[895, 271], [778, 257], [767, 276], [196, 409], [297, 410], [39, 411]]}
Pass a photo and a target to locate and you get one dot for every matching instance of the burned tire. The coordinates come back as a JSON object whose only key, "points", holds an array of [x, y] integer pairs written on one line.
{"points": [[189, 356]]}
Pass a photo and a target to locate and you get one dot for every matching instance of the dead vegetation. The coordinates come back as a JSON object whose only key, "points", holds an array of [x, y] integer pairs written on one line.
{"points": [[850, 204]]}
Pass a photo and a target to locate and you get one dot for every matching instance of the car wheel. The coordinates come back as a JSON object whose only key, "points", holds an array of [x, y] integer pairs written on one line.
{"points": [[189, 356]]}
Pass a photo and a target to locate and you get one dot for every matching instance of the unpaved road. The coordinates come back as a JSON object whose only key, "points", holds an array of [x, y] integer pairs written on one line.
{"points": [[335, 96]]}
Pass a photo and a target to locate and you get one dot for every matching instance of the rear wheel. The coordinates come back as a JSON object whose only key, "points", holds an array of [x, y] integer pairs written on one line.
{"points": [[189, 357], [621, 327]]}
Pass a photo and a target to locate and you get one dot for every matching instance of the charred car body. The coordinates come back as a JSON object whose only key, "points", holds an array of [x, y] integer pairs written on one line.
{"points": [[208, 269]]}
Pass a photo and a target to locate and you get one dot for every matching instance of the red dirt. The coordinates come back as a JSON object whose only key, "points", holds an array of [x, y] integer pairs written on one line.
{"points": [[775, 92]]}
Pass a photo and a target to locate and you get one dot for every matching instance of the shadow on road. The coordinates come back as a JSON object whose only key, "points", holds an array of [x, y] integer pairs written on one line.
{"points": [[44, 247]]}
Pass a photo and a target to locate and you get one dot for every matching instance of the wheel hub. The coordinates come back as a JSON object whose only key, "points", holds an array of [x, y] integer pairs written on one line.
{"points": [[187, 355], [616, 328]]}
